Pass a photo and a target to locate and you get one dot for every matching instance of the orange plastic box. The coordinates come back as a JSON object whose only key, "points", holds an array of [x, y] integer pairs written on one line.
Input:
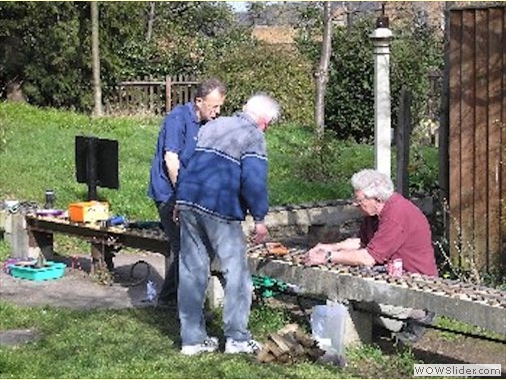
{"points": [[88, 212]]}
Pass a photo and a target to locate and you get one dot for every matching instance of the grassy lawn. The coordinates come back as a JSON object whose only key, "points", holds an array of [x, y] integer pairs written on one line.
{"points": [[144, 343], [37, 153]]}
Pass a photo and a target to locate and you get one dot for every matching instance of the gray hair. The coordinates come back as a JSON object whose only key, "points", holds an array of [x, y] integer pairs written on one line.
{"points": [[373, 184], [208, 86], [263, 105]]}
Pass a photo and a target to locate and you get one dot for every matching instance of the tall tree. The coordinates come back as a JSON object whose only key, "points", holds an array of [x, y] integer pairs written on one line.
{"points": [[95, 52], [322, 75], [151, 20]]}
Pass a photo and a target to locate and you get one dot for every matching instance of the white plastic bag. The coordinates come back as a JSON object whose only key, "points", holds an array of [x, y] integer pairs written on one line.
{"points": [[327, 326], [150, 291]]}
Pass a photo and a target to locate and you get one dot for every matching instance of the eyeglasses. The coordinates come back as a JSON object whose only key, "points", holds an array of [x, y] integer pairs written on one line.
{"points": [[215, 107], [358, 201]]}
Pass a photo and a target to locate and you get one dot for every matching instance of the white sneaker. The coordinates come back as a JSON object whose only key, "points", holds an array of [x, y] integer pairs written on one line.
{"points": [[248, 346], [209, 345]]}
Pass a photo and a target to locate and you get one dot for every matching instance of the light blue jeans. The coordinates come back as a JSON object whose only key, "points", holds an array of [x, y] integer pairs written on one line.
{"points": [[203, 237]]}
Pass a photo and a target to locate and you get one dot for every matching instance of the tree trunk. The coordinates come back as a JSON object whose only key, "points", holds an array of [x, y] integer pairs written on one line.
{"points": [[151, 20], [95, 52], [322, 75]]}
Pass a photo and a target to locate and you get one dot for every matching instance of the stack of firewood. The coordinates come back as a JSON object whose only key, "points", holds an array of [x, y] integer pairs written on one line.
{"points": [[289, 345]]}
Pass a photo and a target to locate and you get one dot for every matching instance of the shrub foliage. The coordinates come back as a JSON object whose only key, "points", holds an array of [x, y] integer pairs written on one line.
{"points": [[53, 64]]}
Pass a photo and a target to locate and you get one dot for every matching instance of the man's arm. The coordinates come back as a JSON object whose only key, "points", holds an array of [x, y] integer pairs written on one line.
{"points": [[172, 162], [350, 243], [321, 254]]}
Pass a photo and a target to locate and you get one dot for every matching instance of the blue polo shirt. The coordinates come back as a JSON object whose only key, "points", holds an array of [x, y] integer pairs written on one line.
{"points": [[178, 134]]}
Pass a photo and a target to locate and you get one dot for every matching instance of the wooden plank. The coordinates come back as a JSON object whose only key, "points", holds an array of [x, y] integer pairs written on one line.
{"points": [[468, 104], [480, 193], [454, 144], [151, 95], [168, 94], [496, 96], [120, 97], [444, 121], [503, 152], [184, 93], [137, 83]]}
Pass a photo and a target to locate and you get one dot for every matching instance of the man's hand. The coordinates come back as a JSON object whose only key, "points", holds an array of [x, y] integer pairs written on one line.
{"points": [[316, 255], [260, 234]]}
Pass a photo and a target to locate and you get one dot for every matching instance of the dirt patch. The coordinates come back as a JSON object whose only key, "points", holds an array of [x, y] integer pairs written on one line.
{"points": [[77, 289]]}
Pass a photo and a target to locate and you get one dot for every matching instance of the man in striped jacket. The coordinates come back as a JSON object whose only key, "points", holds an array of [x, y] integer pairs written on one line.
{"points": [[225, 179]]}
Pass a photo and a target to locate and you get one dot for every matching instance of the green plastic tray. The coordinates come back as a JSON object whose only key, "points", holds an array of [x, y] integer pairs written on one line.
{"points": [[50, 271]]}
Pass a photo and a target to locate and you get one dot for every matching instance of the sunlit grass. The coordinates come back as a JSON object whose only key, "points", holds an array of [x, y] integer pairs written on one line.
{"points": [[144, 343], [37, 153]]}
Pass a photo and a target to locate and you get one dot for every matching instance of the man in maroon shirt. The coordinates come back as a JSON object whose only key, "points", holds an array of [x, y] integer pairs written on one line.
{"points": [[392, 228]]}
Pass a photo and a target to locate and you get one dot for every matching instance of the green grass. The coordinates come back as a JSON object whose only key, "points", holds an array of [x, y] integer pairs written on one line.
{"points": [[144, 343], [37, 153], [455, 325]]}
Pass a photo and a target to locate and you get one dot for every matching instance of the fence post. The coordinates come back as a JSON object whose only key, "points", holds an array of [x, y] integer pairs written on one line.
{"points": [[151, 93], [168, 92]]}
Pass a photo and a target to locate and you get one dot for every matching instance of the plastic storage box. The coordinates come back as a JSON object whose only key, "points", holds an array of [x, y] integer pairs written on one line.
{"points": [[88, 212], [27, 271]]}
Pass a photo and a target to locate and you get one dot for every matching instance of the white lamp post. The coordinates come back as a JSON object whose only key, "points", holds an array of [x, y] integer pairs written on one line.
{"points": [[381, 38]]}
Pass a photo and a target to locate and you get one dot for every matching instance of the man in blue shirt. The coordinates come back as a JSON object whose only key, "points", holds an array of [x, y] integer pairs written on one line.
{"points": [[226, 178], [176, 143]]}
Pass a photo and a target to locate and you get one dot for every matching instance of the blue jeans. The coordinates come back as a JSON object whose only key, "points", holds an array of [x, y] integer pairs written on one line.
{"points": [[168, 292], [203, 237]]}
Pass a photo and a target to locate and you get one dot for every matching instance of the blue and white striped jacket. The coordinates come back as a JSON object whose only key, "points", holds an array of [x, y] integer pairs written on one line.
{"points": [[227, 174]]}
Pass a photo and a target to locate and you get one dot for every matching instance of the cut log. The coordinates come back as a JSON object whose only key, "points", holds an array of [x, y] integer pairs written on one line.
{"points": [[289, 345]]}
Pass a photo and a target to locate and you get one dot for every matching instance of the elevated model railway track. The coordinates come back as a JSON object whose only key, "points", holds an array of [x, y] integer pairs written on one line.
{"points": [[476, 305]]}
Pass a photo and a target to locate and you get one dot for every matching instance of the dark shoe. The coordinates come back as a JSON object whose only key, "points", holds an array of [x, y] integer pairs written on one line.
{"points": [[407, 336], [413, 329], [429, 318]]}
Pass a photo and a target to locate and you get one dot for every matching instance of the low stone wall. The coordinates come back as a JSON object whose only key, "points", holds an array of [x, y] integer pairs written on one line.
{"points": [[334, 219]]}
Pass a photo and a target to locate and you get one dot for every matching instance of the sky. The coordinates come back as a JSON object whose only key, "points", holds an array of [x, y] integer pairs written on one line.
{"points": [[239, 6]]}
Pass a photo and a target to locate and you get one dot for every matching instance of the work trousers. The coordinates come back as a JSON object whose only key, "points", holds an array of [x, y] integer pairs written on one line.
{"points": [[168, 292], [400, 312], [204, 236]]}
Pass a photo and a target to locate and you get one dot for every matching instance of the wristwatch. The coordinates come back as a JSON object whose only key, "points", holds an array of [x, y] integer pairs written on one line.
{"points": [[328, 257]]}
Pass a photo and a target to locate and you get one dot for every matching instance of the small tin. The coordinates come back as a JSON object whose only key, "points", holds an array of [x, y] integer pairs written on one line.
{"points": [[49, 199], [395, 268]]}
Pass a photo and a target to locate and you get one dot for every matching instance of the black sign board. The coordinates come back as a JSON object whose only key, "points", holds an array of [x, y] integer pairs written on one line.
{"points": [[96, 163]]}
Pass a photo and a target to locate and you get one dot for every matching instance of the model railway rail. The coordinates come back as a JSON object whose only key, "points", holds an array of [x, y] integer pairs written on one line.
{"points": [[476, 305]]}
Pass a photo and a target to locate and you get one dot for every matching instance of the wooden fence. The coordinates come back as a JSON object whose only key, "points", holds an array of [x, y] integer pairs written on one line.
{"points": [[152, 96], [477, 137]]}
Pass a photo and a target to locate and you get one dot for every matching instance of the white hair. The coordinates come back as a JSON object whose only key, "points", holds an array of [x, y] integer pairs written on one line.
{"points": [[373, 184], [264, 106]]}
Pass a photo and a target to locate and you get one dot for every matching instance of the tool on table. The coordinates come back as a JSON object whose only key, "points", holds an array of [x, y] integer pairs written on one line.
{"points": [[114, 221]]}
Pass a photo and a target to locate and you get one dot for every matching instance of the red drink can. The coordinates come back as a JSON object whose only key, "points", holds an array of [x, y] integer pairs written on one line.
{"points": [[395, 268]]}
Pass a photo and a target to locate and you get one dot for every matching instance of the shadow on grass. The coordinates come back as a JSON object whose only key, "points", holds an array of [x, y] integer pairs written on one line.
{"points": [[133, 276]]}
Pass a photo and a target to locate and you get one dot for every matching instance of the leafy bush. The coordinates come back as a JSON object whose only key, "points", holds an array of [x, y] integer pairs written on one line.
{"points": [[53, 64], [349, 104], [253, 66]]}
